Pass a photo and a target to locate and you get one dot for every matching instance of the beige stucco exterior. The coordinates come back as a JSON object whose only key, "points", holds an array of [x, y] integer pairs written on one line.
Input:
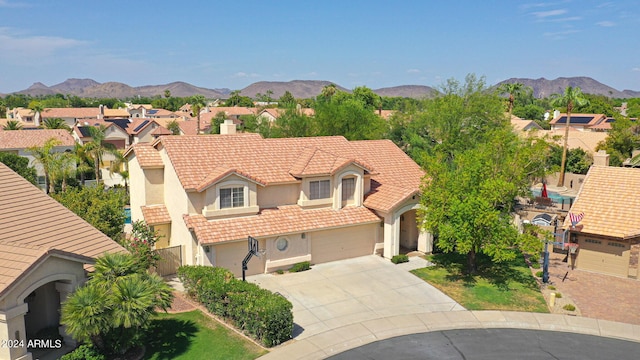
{"points": [[604, 255]]}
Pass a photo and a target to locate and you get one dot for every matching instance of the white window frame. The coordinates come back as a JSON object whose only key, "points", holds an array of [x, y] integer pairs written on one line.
{"points": [[320, 189], [234, 190]]}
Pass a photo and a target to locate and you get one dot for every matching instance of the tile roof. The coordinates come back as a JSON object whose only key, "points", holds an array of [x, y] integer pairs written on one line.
{"points": [[22, 139], [33, 225], [199, 159], [610, 202], [161, 130], [277, 221], [77, 113], [121, 113], [148, 156], [155, 214]]}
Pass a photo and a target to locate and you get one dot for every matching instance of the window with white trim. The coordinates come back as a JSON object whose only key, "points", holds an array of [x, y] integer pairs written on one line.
{"points": [[348, 188], [231, 197], [320, 189]]}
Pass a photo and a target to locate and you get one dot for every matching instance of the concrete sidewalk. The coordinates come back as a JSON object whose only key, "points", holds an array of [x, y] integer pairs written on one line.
{"points": [[323, 345]]}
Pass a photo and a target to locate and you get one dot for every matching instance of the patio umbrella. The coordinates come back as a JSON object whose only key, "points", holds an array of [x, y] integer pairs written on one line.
{"points": [[544, 191]]}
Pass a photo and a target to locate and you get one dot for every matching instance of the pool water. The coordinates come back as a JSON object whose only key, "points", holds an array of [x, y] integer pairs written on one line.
{"points": [[127, 214], [555, 196]]}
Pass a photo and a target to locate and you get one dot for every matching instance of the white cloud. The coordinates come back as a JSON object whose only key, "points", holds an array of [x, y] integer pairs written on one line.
{"points": [[606, 23], [17, 47], [7, 4], [558, 35], [242, 74], [545, 14], [636, 69], [413, 71]]}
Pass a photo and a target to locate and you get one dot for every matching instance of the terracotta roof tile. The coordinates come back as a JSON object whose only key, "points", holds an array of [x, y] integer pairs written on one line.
{"points": [[78, 113], [148, 156], [155, 214], [161, 130], [610, 202], [22, 139], [277, 221], [26, 236]]}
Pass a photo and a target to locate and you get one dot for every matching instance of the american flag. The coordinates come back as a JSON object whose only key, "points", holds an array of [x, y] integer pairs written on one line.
{"points": [[575, 218]]}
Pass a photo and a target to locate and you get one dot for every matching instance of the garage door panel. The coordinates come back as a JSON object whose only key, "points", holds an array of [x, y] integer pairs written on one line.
{"points": [[331, 245], [603, 256]]}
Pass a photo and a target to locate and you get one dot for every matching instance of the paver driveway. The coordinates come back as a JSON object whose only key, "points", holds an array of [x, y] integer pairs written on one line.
{"points": [[340, 293]]}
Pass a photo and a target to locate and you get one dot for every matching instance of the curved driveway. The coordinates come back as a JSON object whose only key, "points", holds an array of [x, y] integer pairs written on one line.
{"points": [[345, 304]]}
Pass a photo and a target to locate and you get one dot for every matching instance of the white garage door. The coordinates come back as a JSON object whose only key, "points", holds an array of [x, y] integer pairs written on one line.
{"points": [[344, 243], [603, 256]]}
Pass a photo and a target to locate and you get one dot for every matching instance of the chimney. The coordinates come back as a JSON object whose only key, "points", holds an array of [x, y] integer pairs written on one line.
{"points": [[228, 127], [556, 113], [601, 158]]}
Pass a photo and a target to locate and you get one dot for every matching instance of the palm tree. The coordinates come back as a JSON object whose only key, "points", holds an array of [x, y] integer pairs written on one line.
{"points": [[97, 148], [512, 89], [198, 103], [572, 97], [37, 108], [84, 162], [121, 167], [55, 123], [12, 125], [328, 91], [64, 167], [45, 156]]}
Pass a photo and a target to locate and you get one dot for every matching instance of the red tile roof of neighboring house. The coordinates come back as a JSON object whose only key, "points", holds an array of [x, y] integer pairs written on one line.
{"points": [[276, 113], [22, 139], [229, 111], [148, 157], [586, 120], [34, 226], [155, 214], [277, 221], [78, 113], [610, 202], [161, 130], [116, 113], [313, 161]]}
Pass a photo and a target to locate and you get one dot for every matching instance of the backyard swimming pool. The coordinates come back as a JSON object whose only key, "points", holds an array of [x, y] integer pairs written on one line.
{"points": [[127, 214], [557, 198]]}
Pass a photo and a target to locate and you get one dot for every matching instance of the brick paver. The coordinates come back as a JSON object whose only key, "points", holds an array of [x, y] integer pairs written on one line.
{"points": [[596, 295]]}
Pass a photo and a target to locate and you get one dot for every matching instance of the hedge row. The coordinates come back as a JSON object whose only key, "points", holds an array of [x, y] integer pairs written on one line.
{"points": [[259, 313]]}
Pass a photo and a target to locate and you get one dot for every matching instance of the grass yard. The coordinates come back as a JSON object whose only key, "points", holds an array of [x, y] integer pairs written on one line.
{"points": [[503, 286], [193, 335]]}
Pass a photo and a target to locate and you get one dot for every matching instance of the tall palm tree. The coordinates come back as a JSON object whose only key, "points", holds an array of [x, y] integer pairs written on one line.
{"points": [[55, 123], [198, 102], [45, 156], [12, 125], [64, 167], [571, 98], [84, 162], [37, 108], [328, 91], [97, 148], [121, 167], [512, 89]]}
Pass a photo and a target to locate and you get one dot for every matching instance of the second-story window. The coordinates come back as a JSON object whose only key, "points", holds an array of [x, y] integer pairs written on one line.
{"points": [[348, 188], [320, 189], [231, 197]]}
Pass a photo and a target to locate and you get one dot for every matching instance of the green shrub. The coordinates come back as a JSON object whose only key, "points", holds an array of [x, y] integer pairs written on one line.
{"points": [[397, 259], [257, 312], [535, 265], [539, 274], [558, 295], [551, 287], [569, 307], [280, 271], [301, 266], [84, 352]]}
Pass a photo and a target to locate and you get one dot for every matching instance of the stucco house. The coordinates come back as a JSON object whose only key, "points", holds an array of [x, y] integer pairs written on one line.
{"points": [[19, 141], [42, 260], [305, 199], [580, 122], [608, 236]]}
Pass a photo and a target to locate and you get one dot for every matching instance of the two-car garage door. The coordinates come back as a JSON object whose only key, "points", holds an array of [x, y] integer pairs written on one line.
{"points": [[603, 256]]}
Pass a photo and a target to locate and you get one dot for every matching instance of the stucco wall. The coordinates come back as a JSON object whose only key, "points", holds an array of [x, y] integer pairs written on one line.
{"points": [[230, 256], [154, 186], [137, 191], [277, 195]]}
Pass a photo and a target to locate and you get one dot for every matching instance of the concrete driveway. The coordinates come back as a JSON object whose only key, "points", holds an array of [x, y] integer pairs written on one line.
{"points": [[341, 293]]}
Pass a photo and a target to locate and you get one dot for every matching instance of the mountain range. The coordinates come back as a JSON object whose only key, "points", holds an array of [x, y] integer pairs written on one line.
{"points": [[298, 88]]}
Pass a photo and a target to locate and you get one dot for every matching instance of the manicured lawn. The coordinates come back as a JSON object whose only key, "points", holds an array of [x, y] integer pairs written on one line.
{"points": [[193, 335], [504, 286]]}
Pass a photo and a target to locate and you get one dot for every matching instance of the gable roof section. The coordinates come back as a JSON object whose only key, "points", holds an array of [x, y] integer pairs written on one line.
{"points": [[314, 161], [155, 214], [222, 172], [32, 225], [22, 139], [282, 220], [610, 202], [77, 113], [148, 157]]}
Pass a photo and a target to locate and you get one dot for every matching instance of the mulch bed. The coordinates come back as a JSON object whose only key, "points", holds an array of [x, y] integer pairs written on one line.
{"points": [[181, 303]]}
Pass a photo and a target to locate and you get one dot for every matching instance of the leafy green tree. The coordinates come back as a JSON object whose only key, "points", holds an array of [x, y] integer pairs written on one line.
{"points": [[97, 148], [530, 112], [328, 91], [571, 98], [174, 127], [114, 308], [100, 207], [597, 104], [167, 93], [235, 99], [370, 99], [287, 100], [216, 121], [64, 168], [623, 138], [467, 199], [578, 160], [55, 123], [46, 157], [292, 123], [198, 102], [12, 125], [346, 116], [20, 165]]}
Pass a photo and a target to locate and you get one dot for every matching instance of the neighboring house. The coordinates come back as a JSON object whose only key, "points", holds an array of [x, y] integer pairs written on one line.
{"points": [[581, 122], [585, 140], [162, 114], [19, 141], [272, 114], [305, 199], [27, 116], [138, 110], [114, 113], [520, 124], [72, 116], [115, 135], [42, 260], [609, 234], [232, 113]]}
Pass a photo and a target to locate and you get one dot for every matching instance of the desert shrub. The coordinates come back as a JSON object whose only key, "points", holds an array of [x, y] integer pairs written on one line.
{"points": [[397, 259], [84, 352], [535, 265], [558, 295], [551, 287], [257, 312], [301, 266], [569, 307], [539, 273], [280, 271]]}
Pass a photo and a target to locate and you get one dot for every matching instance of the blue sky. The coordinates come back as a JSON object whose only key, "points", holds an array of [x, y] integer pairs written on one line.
{"points": [[376, 43]]}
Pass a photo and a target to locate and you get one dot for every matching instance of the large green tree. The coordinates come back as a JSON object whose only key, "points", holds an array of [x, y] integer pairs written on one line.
{"points": [[623, 138], [102, 208], [97, 148], [114, 308], [20, 165], [47, 158], [571, 98], [512, 90]]}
